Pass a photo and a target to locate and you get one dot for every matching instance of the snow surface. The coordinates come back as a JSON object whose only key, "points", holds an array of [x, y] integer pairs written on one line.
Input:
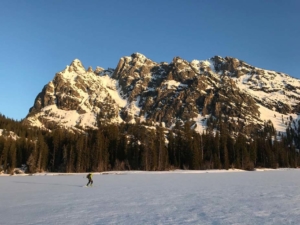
{"points": [[178, 197], [201, 123], [277, 119]]}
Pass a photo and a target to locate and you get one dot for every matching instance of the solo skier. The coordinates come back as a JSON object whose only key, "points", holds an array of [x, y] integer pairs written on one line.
{"points": [[89, 177]]}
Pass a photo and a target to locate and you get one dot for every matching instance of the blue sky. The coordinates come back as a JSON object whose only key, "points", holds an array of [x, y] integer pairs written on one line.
{"points": [[39, 38]]}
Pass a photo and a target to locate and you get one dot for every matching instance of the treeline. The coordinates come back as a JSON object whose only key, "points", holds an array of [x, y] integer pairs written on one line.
{"points": [[140, 147]]}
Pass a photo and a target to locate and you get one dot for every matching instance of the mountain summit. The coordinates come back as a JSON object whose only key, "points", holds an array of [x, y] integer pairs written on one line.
{"points": [[171, 94]]}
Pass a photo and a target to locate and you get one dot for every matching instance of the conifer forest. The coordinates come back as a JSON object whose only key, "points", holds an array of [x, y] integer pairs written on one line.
{"points": [[141, 147]]}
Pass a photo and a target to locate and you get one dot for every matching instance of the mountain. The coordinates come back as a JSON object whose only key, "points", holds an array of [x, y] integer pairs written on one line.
{"points": [[196, 93]]}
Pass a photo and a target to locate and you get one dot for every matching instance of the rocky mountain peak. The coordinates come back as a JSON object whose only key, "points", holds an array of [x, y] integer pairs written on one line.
{"points": [[90, 69], [139, 89], [77, 66], [98, 70], [139, 56]]}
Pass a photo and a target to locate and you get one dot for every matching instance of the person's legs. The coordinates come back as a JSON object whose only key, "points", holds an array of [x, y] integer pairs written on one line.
{"points": [[88, 183]]}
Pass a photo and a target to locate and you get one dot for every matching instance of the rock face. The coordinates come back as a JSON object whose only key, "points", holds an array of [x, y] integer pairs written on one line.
{"points": [[139, 89], [74, 98]]}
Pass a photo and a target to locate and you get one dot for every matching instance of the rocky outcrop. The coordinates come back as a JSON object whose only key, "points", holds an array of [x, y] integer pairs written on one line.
{"points": [[80, 94]]}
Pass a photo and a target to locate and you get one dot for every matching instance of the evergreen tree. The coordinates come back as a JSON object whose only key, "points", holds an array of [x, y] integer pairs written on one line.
{"points": [[162, 150]]}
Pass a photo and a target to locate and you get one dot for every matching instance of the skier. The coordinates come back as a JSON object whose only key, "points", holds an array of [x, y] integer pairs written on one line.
{"points": [[89, 177]]}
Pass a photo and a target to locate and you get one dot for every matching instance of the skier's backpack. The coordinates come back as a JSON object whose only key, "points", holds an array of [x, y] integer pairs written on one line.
{"points": [[88, 176]]}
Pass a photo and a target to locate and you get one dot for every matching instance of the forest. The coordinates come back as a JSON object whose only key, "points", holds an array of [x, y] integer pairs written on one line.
{"points": [[141, 147]]}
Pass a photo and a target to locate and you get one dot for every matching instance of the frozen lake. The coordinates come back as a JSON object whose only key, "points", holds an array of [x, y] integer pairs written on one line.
{"points": [[269, 197]]}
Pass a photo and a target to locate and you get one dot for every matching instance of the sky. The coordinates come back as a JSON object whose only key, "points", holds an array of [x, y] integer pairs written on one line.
{"points": [[150, 198], [39, 38]]}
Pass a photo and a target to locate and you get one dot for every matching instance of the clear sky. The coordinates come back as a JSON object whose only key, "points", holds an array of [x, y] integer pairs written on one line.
{"points": [[39, 38]]}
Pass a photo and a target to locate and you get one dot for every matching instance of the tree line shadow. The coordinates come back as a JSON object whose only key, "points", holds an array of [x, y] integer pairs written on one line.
{"points": [[55, 184]]}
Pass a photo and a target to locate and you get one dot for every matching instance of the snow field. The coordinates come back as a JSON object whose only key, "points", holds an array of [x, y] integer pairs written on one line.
{"points": [[269, 197]]}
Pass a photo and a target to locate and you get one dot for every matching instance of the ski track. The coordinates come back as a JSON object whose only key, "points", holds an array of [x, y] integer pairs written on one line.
{"points": [[270, 197]]}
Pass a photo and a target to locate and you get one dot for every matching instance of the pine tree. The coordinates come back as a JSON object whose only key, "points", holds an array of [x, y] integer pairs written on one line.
{"points": [[196, 151], [12, 156], [171, 149], [162, 151], [32, 160], [223, 146]]}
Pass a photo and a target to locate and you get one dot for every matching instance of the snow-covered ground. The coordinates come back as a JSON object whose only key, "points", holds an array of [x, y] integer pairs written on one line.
{"points": [[179, 197]]}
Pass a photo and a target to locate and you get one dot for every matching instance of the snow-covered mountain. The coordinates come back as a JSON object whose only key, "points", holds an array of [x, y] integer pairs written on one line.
{"points": [[169, 94]]}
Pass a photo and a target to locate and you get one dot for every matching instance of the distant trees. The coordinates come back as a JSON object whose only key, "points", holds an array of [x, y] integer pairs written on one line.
{"points": [[138, 147]]}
